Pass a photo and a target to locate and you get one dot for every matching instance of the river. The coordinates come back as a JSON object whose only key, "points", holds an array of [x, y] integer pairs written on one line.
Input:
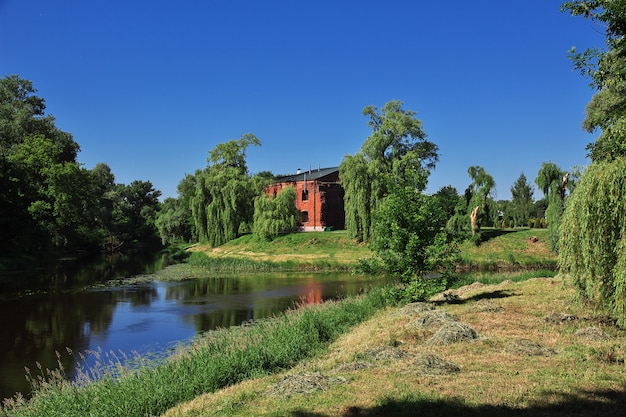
{"points": [[64, 315]]}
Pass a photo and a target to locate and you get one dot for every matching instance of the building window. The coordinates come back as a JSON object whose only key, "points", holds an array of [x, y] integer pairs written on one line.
{"points": [[305, 216], [305, 195]]}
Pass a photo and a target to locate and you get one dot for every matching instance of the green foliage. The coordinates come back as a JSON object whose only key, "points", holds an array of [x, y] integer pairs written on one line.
{"points": [[275, 215], [135, 209], [173, 221], [49, 203], [448, 197], [406, 227], [607, 70], [396, 146], [593, 236], [477, 197], [223, 204], [521, 201], [551, 180]]}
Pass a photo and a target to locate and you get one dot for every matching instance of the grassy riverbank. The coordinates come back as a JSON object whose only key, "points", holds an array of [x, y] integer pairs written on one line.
{"points": [[217, 360], [510, 349], [504, 249]]}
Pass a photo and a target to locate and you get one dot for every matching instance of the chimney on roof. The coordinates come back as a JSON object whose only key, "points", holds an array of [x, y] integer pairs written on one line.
{"points": [[298, 171]]}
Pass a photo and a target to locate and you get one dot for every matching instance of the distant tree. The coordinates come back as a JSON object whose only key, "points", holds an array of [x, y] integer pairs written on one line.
{"points": [[172, 222], [552, 181], [223, 205], [504, 207], [135, 211], [275, 215], [396, 146], [521, 201], [448, 199], [539, 208], [481, 206]]}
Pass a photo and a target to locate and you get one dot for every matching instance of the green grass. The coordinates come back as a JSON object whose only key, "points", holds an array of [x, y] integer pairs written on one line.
{"points": [[311, 249], [509, 249], [221, 359], [502, 249]]}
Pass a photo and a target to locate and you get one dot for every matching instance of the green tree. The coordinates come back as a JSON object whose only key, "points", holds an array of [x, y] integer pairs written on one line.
{"points": [[448, 199], [593, 236], [135, 210], [58, 195], [552, 181], [223, 205], [22, 113], [607, 70], [172, 222], [275, 215], [175, 220], [521, 201], [481, 206], [23, 125], [593, 230], [396, 146]]}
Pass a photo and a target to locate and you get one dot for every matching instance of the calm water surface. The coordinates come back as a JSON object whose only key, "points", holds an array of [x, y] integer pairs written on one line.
{"points": [[61, 309]]}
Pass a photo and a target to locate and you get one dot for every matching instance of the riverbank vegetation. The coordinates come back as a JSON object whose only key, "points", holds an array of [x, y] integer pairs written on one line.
{"points": [[50, 205], [216, 360]]}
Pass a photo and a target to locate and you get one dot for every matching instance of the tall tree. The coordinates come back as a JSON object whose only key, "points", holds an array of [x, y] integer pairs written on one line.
{"points": [[135, 211], [223, 205], [481, 206], [521, 201], [275, 215], [593, 231], [448, 198], [552, 181], [606, 67], [396, 146]]}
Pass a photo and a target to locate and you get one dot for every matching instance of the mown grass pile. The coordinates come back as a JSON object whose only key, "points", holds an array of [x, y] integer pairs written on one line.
{"points": [[220, 359]]}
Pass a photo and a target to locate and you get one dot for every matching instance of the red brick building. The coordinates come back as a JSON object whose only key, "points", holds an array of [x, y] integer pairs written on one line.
{"points": [[319, 197]]}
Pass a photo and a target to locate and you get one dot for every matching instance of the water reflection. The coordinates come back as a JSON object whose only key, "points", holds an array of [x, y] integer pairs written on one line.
{"points": [[143, 318]]}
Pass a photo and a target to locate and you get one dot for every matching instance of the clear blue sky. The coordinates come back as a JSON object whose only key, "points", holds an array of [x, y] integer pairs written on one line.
{"points": [[149, 87]]}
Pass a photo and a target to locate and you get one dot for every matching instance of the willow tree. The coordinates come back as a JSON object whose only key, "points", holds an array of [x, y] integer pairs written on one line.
{"points": [[223, 204], [475, 207], [397, 145], [593, 236], [480, 206], [275, 215], [552, 181], [593, 230]]}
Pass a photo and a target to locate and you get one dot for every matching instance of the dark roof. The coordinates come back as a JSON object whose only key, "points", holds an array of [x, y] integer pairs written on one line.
{"points": [[313, 174]]}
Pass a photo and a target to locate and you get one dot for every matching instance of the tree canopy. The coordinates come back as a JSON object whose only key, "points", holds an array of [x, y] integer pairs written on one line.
{"points": [[592, 244], [223, 204], [50, 203], [521, 201], [396, 146], [606, 67]]}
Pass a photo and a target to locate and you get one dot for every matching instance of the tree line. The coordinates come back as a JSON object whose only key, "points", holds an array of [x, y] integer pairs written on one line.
{"points": [[50, 205]]}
